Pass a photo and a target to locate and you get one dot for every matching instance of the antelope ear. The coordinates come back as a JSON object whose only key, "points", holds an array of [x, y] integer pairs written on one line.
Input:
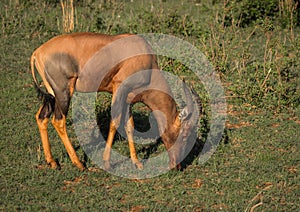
{"points": [[184, 114]]}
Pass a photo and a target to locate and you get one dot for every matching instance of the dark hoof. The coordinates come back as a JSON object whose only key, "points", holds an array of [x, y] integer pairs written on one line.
{"points": [[54, 165], [106, 165]]}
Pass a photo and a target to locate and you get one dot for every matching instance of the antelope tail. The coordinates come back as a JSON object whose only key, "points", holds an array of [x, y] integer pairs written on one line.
{"points": [[32, 65], [42, 95]]}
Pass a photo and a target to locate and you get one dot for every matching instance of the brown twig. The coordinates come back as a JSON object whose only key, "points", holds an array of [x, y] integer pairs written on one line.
{"points": [[255, 206]]}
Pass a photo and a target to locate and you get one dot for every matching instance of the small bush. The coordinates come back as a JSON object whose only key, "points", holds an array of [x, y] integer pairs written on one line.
{"points": [[249, 12]]}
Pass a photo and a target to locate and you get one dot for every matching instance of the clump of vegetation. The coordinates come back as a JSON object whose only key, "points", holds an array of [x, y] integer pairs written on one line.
{"points": [[250, 12], [252, 44]]}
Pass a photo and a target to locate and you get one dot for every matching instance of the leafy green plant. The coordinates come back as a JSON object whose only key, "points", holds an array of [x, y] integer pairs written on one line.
{"points": [[250, 12]]}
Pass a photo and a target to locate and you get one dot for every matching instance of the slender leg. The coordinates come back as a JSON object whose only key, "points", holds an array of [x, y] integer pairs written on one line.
{"points": [[60, 126], [114, 124], [108, 146], [43, 128], [119, 109], [129, 131]]}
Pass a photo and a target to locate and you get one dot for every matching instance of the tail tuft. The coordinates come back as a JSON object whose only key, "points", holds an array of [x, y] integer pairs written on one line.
{"points": [[46, 98]]}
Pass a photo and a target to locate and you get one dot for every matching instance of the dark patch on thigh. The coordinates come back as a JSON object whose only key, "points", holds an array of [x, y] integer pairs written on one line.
{"points": [[61, 69]]}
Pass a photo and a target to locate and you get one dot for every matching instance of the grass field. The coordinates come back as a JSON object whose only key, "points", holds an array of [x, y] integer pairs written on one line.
{"points": [[256, 165]]}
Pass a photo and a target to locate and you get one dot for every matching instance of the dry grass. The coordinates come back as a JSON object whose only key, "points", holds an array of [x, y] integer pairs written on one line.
{"points": [[67, 7]]}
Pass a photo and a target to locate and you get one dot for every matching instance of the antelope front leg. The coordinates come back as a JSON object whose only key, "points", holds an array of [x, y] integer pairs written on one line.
{"points": [[60, 126], [114, 124], [129, 131], [108, 146]]}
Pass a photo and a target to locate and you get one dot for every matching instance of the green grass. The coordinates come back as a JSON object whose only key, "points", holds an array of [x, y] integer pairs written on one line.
{"points": [[255, 166]]}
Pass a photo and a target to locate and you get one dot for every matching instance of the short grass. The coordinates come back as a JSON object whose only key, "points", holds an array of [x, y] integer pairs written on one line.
{"points": [[256, 166]]}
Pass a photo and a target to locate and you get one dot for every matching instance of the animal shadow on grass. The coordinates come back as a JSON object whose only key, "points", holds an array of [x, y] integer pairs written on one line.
{"points": [[143, 130], [202, 146], [142, 124]]}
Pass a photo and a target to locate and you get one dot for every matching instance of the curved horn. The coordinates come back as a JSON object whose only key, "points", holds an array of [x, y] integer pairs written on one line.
{"points": [[188, 97], [199, 106], [187, 111]]}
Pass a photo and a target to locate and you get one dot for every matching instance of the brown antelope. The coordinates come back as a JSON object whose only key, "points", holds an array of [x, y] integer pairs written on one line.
{"points": [[82, 62]]}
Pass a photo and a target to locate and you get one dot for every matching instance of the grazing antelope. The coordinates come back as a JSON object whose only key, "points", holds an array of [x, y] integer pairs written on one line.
{"points": [[91, 62]]}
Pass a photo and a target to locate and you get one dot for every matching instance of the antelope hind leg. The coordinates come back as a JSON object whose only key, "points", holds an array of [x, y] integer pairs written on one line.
{"points": [[60, 126], [42, 119]]}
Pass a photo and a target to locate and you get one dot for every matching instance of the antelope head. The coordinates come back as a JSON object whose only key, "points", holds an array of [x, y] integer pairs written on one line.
{"points": [[186, 123]]}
